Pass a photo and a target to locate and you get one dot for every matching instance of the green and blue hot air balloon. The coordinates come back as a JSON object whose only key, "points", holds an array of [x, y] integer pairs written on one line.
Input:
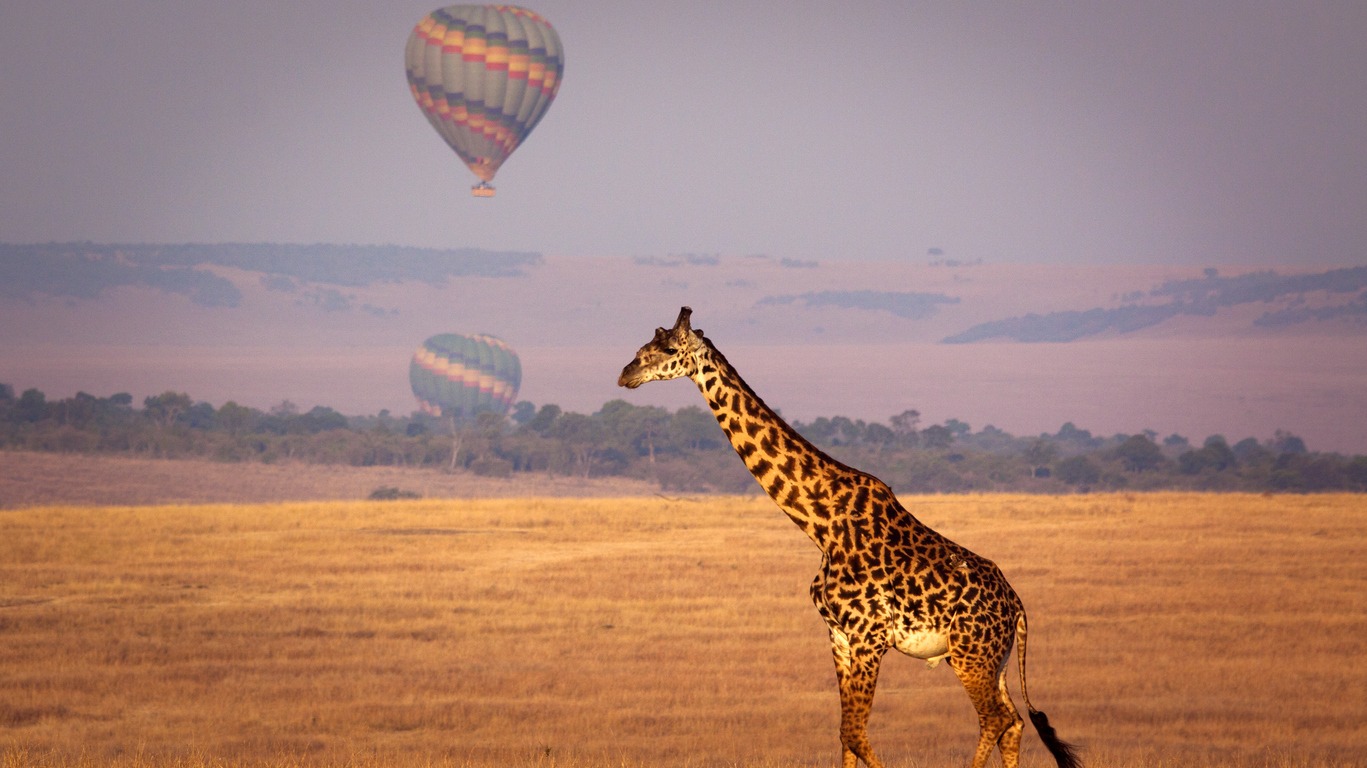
{"points": [[463, 376], [484, 76]]}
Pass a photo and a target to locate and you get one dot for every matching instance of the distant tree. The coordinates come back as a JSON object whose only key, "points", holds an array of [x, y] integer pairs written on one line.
{"points": [[994, 438], [285, 409], [958, 428], [384, 422], [879, 435], [1139, 454], [482, 441], [321, 419], [905, 423], [523, 412], [166, 408], [1307, 472], [1250, 451], [819, 430], [81, 411], [1285, 442], [1215, 456], [1220, 451], [1040, 453], [937, 437], [844, 431], [31, 406], [527, 451], [544, 419], [1176, 442], [652, 427], [1078, 470], [691, 428], [6, 406], [1081, 438], [199, 416], [1356, 472], [1323, 473], [635, 429], [581, 435], [233, 418]]}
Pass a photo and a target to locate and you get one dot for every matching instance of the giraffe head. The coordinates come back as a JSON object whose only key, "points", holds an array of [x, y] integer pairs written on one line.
{"points": [[670, 355]]}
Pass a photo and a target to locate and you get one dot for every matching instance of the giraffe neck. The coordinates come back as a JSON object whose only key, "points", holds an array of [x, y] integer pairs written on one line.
{"points": [[796, 474]]}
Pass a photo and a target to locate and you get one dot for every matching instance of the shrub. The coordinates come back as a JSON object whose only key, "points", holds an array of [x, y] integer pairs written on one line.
{"points": [[390, 493]]}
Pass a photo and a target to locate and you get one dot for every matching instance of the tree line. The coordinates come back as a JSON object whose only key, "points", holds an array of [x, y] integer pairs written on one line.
{"points": [[681, 450]]}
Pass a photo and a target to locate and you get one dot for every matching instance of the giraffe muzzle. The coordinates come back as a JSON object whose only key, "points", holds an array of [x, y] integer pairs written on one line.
{"points": [[630, 377]]}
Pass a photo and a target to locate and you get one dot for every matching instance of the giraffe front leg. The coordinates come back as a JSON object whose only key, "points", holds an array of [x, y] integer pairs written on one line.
{"points": [[856, 670]]}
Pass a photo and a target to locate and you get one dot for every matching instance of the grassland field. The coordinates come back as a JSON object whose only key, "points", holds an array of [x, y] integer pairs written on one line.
{"points": [[1166, 630]]}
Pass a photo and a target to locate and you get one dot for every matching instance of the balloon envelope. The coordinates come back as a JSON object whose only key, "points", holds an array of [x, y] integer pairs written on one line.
{"points": [[464, 376], [484, 76]]}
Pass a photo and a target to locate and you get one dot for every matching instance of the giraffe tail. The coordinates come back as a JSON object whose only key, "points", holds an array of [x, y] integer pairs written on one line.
{"points": [[1065, 754]]}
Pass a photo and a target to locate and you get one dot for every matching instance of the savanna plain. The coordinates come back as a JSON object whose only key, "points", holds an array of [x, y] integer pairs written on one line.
{"points": [[1165, 630]]}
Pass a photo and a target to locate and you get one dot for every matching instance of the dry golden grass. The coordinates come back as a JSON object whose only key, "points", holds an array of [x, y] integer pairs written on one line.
{"points": [[1166, 630]]}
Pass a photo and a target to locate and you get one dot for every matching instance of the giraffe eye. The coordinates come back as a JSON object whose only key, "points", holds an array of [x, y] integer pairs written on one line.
{"points": [[671, 351]]}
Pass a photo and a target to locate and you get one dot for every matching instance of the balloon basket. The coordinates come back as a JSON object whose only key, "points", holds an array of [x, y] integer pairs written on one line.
{"points": [[482, 189]]}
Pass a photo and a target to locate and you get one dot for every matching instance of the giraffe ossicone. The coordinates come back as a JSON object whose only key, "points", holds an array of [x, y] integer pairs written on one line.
{"points": [[887, 581]]}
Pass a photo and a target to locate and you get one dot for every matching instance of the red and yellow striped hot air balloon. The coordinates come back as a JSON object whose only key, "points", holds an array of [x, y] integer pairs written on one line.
{"points": [[463, 376], [484, 76]]}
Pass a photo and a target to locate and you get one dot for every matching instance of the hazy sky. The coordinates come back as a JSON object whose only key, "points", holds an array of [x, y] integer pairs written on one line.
{"points": [[1194, 133]]}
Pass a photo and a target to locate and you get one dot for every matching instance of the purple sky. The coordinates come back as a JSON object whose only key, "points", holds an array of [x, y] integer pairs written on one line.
{"points": [[1191, 133]]}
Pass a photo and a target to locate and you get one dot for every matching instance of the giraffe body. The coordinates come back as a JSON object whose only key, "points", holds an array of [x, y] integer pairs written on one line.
{"points": [[886, 581]]}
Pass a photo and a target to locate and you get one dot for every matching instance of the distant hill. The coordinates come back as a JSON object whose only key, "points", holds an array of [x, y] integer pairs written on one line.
{"points": [[904, 304], [85, 270], [1342, 295], [329, 276]]}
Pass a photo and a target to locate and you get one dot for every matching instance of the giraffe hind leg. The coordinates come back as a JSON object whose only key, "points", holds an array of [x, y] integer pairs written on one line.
{"points": [[1010, 740], [999, 724]]}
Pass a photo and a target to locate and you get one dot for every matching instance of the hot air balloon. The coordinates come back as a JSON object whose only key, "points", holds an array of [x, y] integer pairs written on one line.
{"points": [[484, 76], [461, 377]]}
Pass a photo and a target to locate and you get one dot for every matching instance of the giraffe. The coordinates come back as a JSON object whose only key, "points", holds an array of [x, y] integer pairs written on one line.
{"points": [[886, 580]]}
